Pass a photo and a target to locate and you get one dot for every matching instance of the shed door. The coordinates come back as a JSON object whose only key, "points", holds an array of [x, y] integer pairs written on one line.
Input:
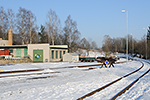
{"points": [[25, 52], [37, 55], [18, 52]]}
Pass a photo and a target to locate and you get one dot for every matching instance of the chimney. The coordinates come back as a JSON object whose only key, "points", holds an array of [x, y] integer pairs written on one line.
{"points": [[10, 39]]}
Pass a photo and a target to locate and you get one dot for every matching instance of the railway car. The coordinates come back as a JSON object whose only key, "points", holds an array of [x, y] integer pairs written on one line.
{"points": [[4, 52], [87, 59]]}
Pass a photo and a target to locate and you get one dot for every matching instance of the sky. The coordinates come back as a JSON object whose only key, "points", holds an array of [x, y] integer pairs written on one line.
{"points": [[95, 18]]}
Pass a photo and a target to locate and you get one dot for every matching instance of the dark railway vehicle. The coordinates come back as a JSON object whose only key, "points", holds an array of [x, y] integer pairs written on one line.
{"points": [[87, 59]]}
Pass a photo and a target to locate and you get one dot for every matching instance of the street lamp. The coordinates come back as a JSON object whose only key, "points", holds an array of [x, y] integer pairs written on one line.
{"points": [[127, 34], [145, 41]]}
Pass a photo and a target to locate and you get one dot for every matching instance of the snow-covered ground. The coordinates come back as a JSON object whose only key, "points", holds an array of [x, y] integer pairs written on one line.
{"points": [[73, 83]]}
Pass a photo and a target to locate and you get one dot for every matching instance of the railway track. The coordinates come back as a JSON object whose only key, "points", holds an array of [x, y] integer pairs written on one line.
{"points": [[130, 85], [26, 72], [115, 81]]}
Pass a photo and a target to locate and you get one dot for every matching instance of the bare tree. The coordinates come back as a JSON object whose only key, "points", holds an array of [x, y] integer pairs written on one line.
{"points": [[72, 34], [53, 25], [85, 45], [22, 24], [1, 32], [26, 25], [94, 45], [11, 18], [31, 25], [3, 23], [106, 43]]}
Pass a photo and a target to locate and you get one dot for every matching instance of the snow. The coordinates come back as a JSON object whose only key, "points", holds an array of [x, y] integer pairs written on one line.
{"points": [[73, 83]]}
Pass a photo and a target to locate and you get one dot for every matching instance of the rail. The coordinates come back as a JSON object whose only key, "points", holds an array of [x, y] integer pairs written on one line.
{"points": [[129, 86], [109, 84]]}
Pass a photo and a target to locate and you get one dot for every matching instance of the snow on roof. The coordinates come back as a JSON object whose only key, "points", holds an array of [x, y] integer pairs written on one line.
{"points": [[62, 46], [73, 54]]}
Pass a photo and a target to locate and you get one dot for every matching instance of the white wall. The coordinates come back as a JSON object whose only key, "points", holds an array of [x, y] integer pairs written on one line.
{"points": [[44, 47], [69, 58]]}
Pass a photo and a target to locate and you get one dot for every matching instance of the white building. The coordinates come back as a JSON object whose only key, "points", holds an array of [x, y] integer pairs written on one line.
{"points": [[3, 42], [46, 52], [70, 57]]}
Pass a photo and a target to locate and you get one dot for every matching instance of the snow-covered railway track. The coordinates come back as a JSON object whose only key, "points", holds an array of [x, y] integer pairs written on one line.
{"points": [[130, 85], [28, 72], [117, 80]]}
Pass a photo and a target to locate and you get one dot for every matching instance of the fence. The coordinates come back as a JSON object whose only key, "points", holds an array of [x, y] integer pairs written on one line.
{"points": [[11, 61]]}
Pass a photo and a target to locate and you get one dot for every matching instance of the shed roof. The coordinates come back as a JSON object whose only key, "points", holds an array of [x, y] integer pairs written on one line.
{"points": [[13, 46], [58, 47], [73, 54]]}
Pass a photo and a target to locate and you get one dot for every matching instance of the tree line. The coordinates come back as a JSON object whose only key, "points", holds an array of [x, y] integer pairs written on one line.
{"points": [[25, 30], [134, 46]]}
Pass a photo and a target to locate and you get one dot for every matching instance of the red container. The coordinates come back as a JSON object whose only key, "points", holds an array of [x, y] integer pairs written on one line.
{"points": [[4, 52]]}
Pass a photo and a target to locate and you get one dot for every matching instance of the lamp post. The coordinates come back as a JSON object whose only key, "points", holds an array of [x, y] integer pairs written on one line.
{"points": [[145, 42], [127, 34]]}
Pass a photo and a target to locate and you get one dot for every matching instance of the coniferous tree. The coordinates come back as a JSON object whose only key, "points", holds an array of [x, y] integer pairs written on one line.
{"points": [[43, 35]]}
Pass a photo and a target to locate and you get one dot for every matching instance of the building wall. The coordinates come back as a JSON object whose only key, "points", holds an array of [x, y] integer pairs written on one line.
{"points": [[10, 39], [75, 58], [14, 52], [22, 52], [70, 58], [3, 42], [67, 57], [57, 48], [58, 58], [44, 47]]}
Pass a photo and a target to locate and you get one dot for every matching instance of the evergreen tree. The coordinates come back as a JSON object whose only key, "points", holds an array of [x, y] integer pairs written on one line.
{"points": [[43, 35]]}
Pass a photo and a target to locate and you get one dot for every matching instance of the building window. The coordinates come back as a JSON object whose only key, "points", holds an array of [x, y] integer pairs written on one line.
{"points": [[63, 52], [56, 54], [60, 54], [52, 54]]}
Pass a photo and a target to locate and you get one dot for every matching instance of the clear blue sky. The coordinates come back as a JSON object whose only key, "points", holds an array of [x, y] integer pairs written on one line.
{"points": [[95, 18]]}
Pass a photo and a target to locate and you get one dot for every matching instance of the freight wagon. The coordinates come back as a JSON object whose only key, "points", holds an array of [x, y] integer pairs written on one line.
{"points": [[4, 52], [87, 59]]}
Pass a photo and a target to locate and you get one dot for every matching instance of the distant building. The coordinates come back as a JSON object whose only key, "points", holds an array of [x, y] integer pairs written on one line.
{"points": [[3, 42], [9, 41]]}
